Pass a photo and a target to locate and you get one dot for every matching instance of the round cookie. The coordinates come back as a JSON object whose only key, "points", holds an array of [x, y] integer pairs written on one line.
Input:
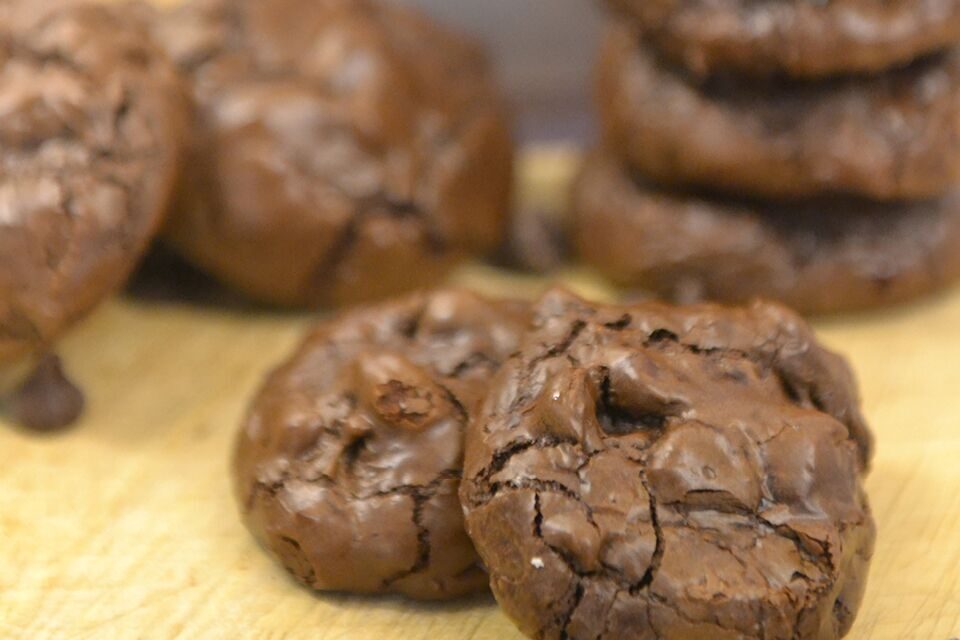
{"points": [[819, 257], [662, 472], [348, 464], [91, 119], [894, 136], [344, 150], [795, 37]]}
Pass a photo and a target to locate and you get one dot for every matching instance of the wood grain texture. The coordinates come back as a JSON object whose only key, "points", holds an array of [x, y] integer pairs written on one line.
{"points": [[125, 527]]}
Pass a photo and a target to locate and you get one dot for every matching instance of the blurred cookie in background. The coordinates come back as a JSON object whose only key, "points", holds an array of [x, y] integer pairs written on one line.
{"points": [[91, 128], [794, 37], [341, 151], [890, 136], [821, 256]]}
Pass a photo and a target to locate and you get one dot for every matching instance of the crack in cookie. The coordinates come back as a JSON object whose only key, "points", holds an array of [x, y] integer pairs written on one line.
{"points": [[670, 471], [353, 448]]}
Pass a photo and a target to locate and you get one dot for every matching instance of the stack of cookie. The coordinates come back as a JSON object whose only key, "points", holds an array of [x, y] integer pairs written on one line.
{"points": [[808, 152]]}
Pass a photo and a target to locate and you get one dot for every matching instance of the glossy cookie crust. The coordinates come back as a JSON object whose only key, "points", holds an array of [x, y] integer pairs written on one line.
{"points": [[661, 472], [348, 464]]}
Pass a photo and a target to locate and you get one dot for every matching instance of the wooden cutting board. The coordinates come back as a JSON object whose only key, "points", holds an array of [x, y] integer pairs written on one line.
{"points": [[125, 527]]}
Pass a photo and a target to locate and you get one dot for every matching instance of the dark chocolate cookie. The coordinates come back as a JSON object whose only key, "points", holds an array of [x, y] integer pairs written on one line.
{"points": [[344, 150], [348, 464], [91, 121], [887, 137], [662, 472], [818, 257], [796, 37]]}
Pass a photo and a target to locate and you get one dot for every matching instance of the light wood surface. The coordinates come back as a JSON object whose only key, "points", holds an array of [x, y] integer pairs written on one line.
{"points": [[125, 527]]}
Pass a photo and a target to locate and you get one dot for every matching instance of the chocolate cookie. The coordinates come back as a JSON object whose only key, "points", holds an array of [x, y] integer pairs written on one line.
{"points": [[662, 472], [888, 137], [348, 464], [91, 124], [796, 37], [344, 150], [818, 257]]}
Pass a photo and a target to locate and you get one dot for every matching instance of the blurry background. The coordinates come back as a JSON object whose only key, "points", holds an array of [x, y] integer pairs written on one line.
{"points": [[544, 51]]}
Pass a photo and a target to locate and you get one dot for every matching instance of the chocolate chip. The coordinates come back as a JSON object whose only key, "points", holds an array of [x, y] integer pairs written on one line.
{"points": [[46, 400]]}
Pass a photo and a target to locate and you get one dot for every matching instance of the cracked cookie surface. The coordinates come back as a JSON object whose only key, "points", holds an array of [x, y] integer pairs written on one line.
{"points": [[796, 37], [344, 150], [348, 464], [823, 256], [662, 472], [91, 121], [888, 137]]}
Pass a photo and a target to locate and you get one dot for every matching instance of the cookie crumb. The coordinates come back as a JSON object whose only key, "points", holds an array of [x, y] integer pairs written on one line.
{"points": [[47, 400]]}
